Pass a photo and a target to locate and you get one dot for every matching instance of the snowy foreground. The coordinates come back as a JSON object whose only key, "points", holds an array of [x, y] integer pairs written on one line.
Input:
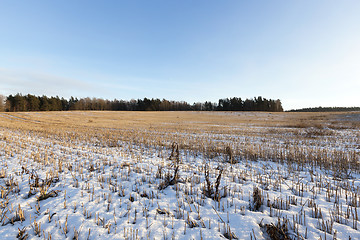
{"points": [[51, 189]]}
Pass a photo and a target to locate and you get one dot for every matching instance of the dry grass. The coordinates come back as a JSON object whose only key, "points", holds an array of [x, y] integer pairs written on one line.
{"points": [[301, 142], [249, 135], [197, 121]]}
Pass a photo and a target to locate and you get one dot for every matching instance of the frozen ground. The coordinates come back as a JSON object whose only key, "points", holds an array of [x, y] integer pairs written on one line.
{"points": [[57, 189]]}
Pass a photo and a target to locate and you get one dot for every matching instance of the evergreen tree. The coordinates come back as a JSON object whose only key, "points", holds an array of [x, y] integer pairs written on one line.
{"points": [[33, 103], [44, 103]]}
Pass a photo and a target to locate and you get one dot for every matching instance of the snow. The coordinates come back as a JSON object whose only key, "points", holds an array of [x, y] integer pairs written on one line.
{"points": [[112, 193]]}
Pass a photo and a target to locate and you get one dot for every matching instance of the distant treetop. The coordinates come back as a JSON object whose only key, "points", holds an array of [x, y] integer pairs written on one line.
{"points": [[30, 102], [327, 109]]}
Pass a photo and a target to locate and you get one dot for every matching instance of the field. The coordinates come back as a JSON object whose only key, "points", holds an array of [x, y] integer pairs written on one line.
{"points": [[179, 175]]}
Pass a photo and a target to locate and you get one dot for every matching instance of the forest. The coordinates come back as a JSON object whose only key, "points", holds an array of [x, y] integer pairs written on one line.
{"points": [[30, 103], [327, 109]]}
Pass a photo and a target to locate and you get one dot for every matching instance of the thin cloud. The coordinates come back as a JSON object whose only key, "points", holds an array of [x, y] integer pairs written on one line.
{"points": [[40, 83], [20, 81]]}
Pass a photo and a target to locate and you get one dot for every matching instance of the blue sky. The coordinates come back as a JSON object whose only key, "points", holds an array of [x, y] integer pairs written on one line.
{"points": [[306, 53]]}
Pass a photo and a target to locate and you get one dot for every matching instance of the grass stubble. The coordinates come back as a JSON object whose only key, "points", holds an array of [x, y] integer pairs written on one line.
{"points": [[285, 169]]}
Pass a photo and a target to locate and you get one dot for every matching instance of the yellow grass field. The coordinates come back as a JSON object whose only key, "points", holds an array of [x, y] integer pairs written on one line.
{"points": [[217, 122], [199, 131], [179, 175]]}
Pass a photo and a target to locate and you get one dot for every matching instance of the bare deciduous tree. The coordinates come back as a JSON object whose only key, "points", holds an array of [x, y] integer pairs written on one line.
{"points": [[2, 103]]}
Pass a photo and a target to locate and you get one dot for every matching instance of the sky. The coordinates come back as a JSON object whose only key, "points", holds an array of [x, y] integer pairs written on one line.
{"points": [[305, 53]]}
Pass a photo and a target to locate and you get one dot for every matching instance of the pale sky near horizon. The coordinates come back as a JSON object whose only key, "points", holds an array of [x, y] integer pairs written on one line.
{"points": [[306, 53]]}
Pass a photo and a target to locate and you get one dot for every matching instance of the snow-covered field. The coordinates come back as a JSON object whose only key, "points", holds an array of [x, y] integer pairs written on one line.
{"points": [[78, 185]]}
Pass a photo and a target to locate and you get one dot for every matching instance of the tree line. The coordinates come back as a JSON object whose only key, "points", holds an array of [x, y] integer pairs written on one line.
{"points": [[327, 109], [28, 103]]}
